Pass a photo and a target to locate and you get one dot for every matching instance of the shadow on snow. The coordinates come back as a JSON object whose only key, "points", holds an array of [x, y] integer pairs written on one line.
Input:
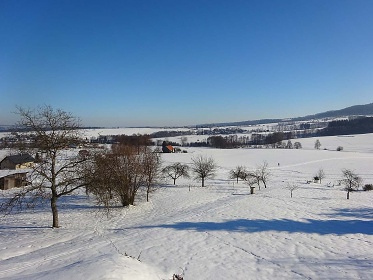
{"points": [[339, 227], [363, 213]]}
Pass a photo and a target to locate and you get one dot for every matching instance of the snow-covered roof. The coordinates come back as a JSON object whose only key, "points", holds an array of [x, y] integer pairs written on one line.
{"points": [[20, 158], [7, 172]]}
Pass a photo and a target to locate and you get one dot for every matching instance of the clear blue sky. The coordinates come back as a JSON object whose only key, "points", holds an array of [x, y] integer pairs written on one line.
{"points": [[181, 62]]}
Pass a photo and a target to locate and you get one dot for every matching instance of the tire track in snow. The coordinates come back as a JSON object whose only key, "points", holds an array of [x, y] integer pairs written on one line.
{"points": [[36, 262], [320, 160], [256, 256]]}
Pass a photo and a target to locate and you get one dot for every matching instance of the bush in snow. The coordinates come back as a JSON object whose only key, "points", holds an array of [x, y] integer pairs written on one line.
{"points": [[297, 145], [319, 175], [177, 277]]}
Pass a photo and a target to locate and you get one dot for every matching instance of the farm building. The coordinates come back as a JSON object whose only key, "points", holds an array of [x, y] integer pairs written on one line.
{"points": [[19, 161], [12, 179]]}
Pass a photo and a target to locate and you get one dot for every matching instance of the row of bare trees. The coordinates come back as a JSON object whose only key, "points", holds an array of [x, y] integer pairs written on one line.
{"points": [[260, 175], [350, 181], [112, 175], [202, 168]]}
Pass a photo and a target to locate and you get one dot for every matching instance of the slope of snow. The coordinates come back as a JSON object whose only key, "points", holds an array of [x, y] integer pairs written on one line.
{"points": [[217, 232]]}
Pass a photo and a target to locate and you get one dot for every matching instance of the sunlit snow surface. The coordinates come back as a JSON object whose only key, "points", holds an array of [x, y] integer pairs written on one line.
{"points": [[216, 232]]}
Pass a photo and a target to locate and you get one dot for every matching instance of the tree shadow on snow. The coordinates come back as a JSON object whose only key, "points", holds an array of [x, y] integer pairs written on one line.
{"points": [[362, 213], [322, 227], [27, 227]]}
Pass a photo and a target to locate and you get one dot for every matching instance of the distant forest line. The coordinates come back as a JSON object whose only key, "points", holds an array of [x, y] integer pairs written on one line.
{"points": [[235, 137], [359, 125]]}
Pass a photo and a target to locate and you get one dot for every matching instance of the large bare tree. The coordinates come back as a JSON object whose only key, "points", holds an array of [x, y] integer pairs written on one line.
{"points": [[128, 172], [119, 173], [151, 164], [203, 168], [49, 132]]}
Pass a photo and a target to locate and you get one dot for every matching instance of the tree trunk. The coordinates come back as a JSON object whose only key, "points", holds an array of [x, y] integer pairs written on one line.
{"points": [[124, 200], [203, 181], [132, 199], [174, 181], [348, 194], [54, 211]]}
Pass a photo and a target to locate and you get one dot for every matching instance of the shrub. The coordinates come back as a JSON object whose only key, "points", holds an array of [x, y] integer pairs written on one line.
{"points": [[177, 277], [368, 187], [339, 148]]}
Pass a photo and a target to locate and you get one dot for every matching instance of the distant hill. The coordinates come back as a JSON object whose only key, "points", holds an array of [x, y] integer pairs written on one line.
{"points": [[356, 110], [358, 125], [252, 122], [6, 128]]}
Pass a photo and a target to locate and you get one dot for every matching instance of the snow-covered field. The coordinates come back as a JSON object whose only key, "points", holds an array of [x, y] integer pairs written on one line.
{"points": [[217, 232]]}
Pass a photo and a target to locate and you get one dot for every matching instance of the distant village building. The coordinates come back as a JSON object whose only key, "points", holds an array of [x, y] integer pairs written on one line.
{"points": [[19, 161], [167, 148]]}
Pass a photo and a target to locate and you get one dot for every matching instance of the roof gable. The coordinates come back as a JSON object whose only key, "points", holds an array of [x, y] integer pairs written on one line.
{"points": [[20, 158]]}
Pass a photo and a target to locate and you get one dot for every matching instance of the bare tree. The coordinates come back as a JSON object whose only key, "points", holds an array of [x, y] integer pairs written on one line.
{"points": [[263, 173], [351, 181], [203, 168], [176, 170], [128, 172], [99, 176], [58, 173], [317, 144], [151, 167], [238, 173], [184, 140], [289, 145], [320, 174], [291, 188], [297, 145], [117, 175], [251, 177], [251, 180]]}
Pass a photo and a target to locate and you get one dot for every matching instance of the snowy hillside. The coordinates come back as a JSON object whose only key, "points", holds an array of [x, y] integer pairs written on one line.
{"points": [[217, 232]]}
